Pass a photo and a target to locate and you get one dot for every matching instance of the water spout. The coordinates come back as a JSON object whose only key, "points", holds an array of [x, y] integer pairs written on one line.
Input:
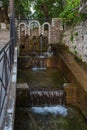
{"points": [[41, 38]]}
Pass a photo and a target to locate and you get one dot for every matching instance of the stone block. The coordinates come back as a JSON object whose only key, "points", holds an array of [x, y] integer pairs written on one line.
{"points": [[3, 26], [70, 94], [22, 97]]}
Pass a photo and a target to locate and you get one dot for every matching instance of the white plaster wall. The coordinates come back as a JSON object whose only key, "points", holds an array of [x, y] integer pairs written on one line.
{"points": [[78, 45]]}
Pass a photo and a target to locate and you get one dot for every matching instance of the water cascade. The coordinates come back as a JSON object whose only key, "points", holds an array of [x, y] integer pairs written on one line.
{"points": [[41, 44], [38, 64], [46, 97]]}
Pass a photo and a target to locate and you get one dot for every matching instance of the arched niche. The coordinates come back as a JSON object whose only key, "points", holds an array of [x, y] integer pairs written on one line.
{"points": [[29, 27], [49, 30], [22, 27]]}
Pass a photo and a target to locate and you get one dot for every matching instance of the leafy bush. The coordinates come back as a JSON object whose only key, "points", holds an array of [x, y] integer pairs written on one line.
{"points": [[70, 14]]}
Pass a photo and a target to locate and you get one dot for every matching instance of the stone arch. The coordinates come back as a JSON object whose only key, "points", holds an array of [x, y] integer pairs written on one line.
{"points": [[19, 27], [49, 30], [34, 21]]}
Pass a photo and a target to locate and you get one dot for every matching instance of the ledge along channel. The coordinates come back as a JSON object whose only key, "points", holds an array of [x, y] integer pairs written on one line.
{"points": [[41, 100]]}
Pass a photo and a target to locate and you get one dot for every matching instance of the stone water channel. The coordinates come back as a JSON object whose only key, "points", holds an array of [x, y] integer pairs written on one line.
{"points": [[42, 97], [45, 108]]}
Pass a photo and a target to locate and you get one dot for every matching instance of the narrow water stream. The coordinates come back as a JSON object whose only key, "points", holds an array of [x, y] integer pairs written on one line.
{"points": [[47, 97], [49, 78], [49, 118], [47, 111]]}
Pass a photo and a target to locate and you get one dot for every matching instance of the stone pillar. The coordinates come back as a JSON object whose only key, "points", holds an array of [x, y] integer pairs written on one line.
{"points": [[3, 26], [57, 22], [56, 29]]}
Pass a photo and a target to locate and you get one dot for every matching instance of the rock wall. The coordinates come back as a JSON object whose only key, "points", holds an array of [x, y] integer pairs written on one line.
{"points": [[76, 39], [56, 30], [74, 88], [76, 94]]}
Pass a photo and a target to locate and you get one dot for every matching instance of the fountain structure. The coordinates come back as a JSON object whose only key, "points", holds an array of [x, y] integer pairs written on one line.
{"points": [[42, 102]]}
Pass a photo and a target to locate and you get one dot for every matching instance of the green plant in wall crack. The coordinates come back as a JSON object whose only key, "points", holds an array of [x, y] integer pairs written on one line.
{"points": [[74, 47], [71, 37], [76, 33], [75, 51], [79, 59]]}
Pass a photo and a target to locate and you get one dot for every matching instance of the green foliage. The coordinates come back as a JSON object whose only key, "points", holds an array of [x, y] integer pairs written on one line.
{"points": [[70, 14], [4, 12], [76, 33], [75, 50], [22, 8], [65, 9], [48, 9], [71, 37], [74, 47]]}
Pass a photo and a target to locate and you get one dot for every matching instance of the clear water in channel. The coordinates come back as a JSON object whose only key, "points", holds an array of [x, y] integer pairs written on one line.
{"points": [[58, 117], [49, 78], [49, 118]]}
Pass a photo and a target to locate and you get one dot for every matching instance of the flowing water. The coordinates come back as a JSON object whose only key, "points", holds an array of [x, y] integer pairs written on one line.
{"points": [[38, 64], [49, 78], [45, 97], [47, 109], [49, 118]]}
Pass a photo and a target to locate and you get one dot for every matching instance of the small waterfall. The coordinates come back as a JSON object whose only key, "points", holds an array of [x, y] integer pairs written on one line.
{"points": [[47, 97], [41, 44], [38, 64]]}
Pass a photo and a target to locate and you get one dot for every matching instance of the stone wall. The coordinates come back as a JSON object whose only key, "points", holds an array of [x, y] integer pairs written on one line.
{"points": [[53, 33], [76, 39], [76, 94], [22, 95], [56, 30], [71, 94]]}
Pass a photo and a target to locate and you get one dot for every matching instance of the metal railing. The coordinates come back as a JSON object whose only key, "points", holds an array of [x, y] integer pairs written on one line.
{"points": [[6, 62]]}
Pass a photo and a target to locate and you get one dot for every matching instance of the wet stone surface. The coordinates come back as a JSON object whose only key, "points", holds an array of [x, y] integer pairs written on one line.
{"points": [[46, 79], [66, 118]]}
